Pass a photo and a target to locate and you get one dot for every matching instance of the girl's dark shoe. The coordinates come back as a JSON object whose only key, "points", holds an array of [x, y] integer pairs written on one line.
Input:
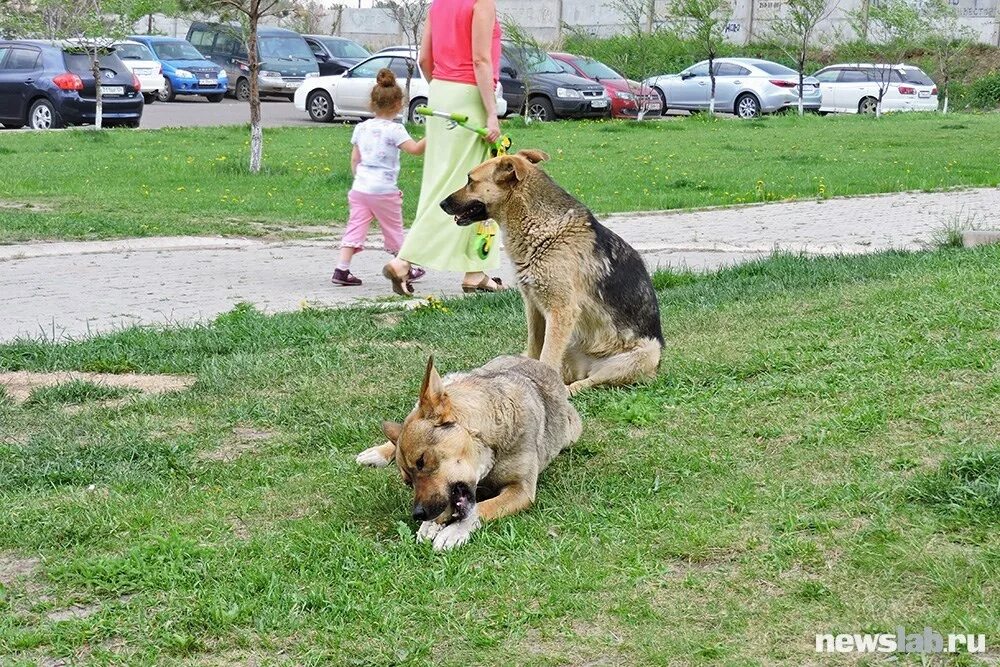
{"points": [[345, 277]]}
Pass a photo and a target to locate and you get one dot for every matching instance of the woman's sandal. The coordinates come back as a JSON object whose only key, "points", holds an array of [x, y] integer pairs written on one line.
{"points": [[400, 286], [487, 284]]}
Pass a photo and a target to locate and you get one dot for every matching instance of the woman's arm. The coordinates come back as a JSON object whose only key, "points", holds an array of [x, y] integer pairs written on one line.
{"points": [[355, 160], [484, 17], [426, 55]]}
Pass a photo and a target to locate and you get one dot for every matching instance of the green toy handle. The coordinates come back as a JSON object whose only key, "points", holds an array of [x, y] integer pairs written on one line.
{"points": [[498, 147]]}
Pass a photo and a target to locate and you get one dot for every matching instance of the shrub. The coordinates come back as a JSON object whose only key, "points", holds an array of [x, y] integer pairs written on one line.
{"points": [[984, 93]]}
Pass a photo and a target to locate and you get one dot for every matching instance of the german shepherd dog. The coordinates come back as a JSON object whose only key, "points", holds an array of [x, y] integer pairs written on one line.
{"points": [[475, 443], [590, 306]]}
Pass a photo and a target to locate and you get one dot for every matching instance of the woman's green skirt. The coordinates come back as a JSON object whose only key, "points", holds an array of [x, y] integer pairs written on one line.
{"points": [[434, 240]]}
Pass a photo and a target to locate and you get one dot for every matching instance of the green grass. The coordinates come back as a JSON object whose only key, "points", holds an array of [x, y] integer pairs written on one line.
{"points": [[119, 183], [818, 454], [75, 392]]}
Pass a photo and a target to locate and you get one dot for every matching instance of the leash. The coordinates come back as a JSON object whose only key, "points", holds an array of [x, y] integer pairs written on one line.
{"points": [[485, 231]]}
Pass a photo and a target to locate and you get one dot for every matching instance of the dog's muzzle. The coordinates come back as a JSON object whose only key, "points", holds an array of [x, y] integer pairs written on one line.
{"points": [[465, 213], [428, 511]]}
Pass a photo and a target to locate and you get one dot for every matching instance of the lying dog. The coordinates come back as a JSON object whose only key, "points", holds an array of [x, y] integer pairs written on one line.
{"points": [[590, 306], [487, 434]]}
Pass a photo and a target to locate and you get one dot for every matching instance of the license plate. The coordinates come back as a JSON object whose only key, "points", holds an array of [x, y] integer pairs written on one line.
{"points": [[599, 104], [291, 84], [143, 72], [209, 82], [112, 90], [925, 93], [653, 106]]}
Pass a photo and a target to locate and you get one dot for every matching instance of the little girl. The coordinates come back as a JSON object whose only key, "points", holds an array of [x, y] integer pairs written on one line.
{"points": [[375, 165]]}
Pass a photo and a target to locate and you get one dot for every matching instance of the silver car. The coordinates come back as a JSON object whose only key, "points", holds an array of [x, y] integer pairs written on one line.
{"points": [[747, 87]]}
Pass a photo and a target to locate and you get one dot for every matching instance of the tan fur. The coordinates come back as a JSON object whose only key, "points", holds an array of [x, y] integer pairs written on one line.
{"points": [[551, 240], [493, 429]]}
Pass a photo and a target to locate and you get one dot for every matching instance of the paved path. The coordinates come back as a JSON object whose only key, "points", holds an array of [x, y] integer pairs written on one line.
{"points": [[71, 289]]}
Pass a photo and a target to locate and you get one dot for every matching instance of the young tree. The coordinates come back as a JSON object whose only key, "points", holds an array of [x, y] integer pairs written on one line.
{"points": [[410, 16], [887, 30], [950, 41], [795, 29], [525, 54], [704, 23], [640, 19]]}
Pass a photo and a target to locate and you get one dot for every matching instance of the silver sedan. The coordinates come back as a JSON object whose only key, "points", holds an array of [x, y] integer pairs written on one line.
{"points": [[747, 87]]}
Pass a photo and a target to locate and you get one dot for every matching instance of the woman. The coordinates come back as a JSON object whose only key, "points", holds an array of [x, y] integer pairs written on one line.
{"points": [[460, 57]]}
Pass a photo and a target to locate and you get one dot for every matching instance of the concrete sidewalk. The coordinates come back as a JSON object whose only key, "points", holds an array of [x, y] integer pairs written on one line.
{"points": [[61, 290]]}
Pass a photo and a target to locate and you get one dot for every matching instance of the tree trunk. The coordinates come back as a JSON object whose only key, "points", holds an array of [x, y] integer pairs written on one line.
{"points": [[944, 89], [711, 76], [149, 24], [99, 109], [802, 111], [256, 131]]}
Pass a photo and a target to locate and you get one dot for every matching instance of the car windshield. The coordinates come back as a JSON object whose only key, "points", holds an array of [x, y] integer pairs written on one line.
{"points": [[775, 68], [176, 50], [79, 62], [345, 48], [914, 75], [534, 61], [133, 52], [284, 48], [595, 69]]}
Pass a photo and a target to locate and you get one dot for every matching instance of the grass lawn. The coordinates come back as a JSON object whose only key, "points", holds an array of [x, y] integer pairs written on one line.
{"points": [[193, 181], [819, 454]]}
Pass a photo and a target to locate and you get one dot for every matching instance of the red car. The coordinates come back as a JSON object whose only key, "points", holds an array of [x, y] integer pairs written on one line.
{"points": [[625, 95]]}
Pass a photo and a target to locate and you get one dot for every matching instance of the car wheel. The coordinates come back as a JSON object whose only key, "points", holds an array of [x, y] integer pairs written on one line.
{"points": [[663, 101], [413, 116], [320, 106], [166, 94], [867, 105], [42, 116], [243, 90], [216, 98], [148, 98], [747, 106], [539, 108]]}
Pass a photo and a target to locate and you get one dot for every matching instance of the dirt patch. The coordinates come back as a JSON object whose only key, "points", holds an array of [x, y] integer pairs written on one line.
{"points": [[76, 611], [13, 568], [20, 384], [109, 403], [24, 206], [245, 439], [241, 530]]}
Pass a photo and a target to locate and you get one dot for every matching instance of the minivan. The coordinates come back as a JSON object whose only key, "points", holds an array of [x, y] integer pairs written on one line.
{"points": [[285, 58]]}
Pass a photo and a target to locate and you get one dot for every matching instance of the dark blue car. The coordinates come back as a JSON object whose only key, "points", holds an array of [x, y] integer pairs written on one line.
{"points": [[46, 85], [185, 70]]}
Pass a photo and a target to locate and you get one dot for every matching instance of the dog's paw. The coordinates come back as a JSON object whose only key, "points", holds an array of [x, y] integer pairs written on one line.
{"points": [[372, 457], [455, 534], [428, 530]]}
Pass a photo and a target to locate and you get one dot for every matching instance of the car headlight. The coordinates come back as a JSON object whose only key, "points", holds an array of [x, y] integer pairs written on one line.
{"points": [[568, 93], [184, 74], [271, 75], [222, 74], [624, 96]]}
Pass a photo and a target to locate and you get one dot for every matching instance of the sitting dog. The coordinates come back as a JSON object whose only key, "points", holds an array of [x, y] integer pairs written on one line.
{"points": [[485, 434], [590, 306]]}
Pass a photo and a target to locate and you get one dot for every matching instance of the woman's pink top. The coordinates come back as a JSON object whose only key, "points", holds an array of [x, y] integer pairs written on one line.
{"points": [[451, 41]]}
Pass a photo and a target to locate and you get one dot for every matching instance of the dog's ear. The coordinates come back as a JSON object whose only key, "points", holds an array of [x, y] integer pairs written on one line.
{"points": [[434, 402], [511, 168], [392, 431], [533, 155]]}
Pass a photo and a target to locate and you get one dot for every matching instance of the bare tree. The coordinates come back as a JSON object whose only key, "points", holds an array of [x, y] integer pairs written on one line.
{"points": [[525, 54], [640, 19], [950, 41], [794, 30], [704, 23], [888, 29], [410, 16]]}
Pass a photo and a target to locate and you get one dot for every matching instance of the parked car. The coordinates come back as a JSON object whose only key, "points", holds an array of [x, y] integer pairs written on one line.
{"points": [[47, 85], [335, 54], [349, 94], [185, 70], [747, 87], [855, 88], [626, 96], [141, 62], [285, 58], [551, 92]]}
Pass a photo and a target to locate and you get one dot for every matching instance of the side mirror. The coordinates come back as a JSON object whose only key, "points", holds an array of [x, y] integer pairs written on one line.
{"points": [[686, 75], [322, 57], [509, 71]]}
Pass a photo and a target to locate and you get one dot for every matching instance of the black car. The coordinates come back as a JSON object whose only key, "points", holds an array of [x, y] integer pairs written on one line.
{"points": [[551, 92], [50, 84], [335, 54]]}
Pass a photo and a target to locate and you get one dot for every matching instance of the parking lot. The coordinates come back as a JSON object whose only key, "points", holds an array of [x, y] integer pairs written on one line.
{"points": [[199, 112]]}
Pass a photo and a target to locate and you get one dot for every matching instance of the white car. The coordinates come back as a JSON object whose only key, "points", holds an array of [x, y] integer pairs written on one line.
{"points": [[141, 62], [854, 88], [349, 94]]}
